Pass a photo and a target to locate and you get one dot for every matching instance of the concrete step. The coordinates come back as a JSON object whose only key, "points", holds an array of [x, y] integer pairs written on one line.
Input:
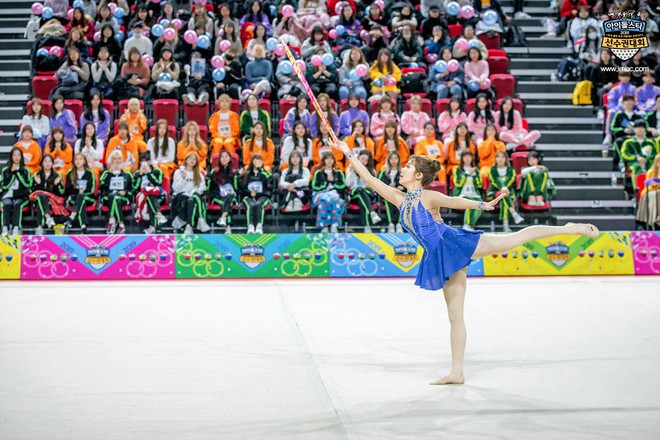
{"points": [[568, 123], [524, 22], [22, 64], [581, 177], [572, 136], [534, 31], [588, 192], [6, 141], [579, 164], [16, 12], [546, 98], [14, 22], [546, 42], [543, 11], [557, 110], [528, 3], [11, 124], [15, 75], [14, 87], [15, 54], [544, 86], [571, 150], [548, 53], [532, 74], [592, 206], [11, 44], [533, 63], [13, 31], [602, 222]]}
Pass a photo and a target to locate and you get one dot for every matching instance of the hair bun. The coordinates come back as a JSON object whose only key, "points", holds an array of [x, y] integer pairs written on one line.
{"points": [[436, 166]]}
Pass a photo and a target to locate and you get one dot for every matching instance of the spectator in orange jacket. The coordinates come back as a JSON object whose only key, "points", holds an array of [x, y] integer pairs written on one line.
{"points": [[358, 141], [488, 148], [455, 147], [192, 141], [259, 143], [125, 144], [225, 128], [391, 141], [137, 123], [431, 147], [31, 150], [60, 151]]}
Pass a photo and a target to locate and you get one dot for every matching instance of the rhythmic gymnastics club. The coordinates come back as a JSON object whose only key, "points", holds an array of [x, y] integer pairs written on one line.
{"points": [[308, 90]]}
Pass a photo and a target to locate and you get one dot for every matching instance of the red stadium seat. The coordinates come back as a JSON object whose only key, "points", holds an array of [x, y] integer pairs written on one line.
{"points": [[167, 109], [171, 132], [412, 70], [469, 104], [441, 105], [525, 124], [285, 106], [343, 105], [517, 105], [496, 53], [505, 84], [281, 128], [75, 105], [123, 105], [519, 160], [427, 107], [109, 105], [498, 64], [439, 186], [265, 104], [204, 133], [42, 85], [45, 107], [197, 113], [373, 106], [641, 178], [493, 42], [235, 106], [455, 30]]}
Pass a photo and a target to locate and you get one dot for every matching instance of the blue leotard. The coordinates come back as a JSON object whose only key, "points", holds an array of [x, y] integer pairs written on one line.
{"points": [[446, 250]]}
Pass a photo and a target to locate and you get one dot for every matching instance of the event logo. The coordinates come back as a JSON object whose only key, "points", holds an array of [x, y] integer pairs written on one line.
{"points": [[405, 254], [98, 257], [558, 253], [624, 34], [252, 255]]}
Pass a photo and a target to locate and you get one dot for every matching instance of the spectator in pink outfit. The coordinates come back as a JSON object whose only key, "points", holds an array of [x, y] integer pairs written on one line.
{"points": [[385, 113], [480, 117], [413, 121], [509, 124], [476, 69], [450, 118]]}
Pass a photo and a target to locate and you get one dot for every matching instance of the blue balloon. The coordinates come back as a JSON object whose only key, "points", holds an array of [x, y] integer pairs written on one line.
{"points": [[353, 76], [367, 11], [47, 13], [157, 30], [490, 17], [129, 34], [328, 59], [271, 43], [413, 65], [42, 52], [341, 30], [203, 41], [164, 22], [119, 36], [273, 10], [378, 82], [219, 74], [286, 67], [440, 66], [78, 4], [119, 13], [474, 85], [165, 77], [453, 8], [473, 43]]}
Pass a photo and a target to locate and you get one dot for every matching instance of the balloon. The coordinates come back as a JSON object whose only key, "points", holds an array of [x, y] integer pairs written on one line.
{"points": [[165, 77], [473, 85], [69, 14], [390, 81], [112, 6], [119, 13], [353, 76], [56, 50], [129, 34], [148, 59], [364, 35], [42, 52], [37, 8], [341, 30], [219, 74], [362, 70], [157, 30], [203, 41], [119, 36], [301, 65], [338, 7], [317, 60], [490, 17], [218, 62], [190, 37], [287, 11], [178, 24], [328, 59], [164, 22], [146, 33], [78, 4], [378, 82], [271, 43], [413, 65], [453, 8], [432, 58], [473, 43], [461, 44], [169, 34], [47, 13], [97, 36], [467, 12], [279, 50], [486, 84], [453, 65], [367, 11], [332, 34], [224, 45], [286, 67], [440, 66]]}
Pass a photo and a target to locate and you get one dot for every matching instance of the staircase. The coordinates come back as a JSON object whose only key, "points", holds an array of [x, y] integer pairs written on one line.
{"points": [[571, 136]]}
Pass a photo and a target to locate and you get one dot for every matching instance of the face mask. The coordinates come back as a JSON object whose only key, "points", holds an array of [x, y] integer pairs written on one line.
{"points": [[592, 35]]}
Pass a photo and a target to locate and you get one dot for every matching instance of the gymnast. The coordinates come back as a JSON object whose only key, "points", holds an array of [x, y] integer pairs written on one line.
{"points": [[448, 251]]}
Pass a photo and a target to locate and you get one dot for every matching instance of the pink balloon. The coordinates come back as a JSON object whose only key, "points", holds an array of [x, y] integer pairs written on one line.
{"points": [[279, 50], [302, 65], [148, 60], [189, 36], [169, 34], [146, 33], [316, 60], [452, 65], [112, 6], [432, 57], [486, 84], [224, 45], [390, 81], [37, 8], [332, 34], [178, 24], [467, 12], [97, 36], [338, 7], [287, 11], [69, 14], [364, 35], [361, 70], [462, 44], [218, 62]]}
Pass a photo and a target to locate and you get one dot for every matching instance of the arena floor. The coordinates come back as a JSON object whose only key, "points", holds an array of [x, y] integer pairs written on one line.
{"points": [[547, 358]]}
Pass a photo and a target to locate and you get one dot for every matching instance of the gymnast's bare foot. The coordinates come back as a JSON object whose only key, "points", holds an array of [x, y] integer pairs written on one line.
{"points": [[451, 378], [586, 229]]}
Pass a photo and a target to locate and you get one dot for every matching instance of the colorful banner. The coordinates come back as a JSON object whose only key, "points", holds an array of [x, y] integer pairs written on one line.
{"points": [[646, 252], [10, 258], [94, 257], [252, 256], [379, 255], [609, 254]]}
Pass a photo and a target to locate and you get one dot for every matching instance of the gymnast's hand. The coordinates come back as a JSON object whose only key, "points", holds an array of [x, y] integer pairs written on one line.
{"points": [[489, 206], [342, 146]]}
